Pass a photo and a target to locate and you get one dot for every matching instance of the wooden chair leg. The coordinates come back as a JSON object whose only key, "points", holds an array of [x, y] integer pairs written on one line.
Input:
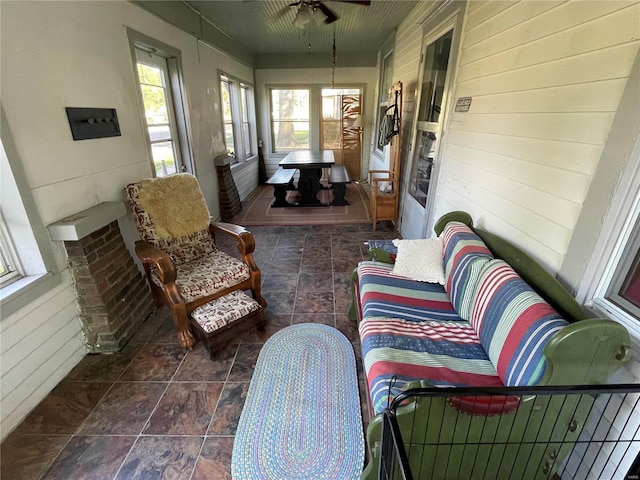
{"points": [[256, 280], [181, 321]]}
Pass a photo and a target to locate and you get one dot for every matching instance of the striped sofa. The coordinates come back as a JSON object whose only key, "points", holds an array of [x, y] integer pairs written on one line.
{"points": [[499, 320], [484, 327]]}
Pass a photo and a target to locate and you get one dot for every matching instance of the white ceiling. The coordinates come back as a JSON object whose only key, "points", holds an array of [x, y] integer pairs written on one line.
{"points": [[255, 28]]}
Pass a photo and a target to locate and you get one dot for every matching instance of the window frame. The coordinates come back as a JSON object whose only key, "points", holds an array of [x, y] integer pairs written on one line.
{"points": [[617, 234], [244, 131], [25, 231], [177, 102], [386, 63], [617, 266], [312, 94], [230, 149], [9, 260], [246, 114], [159, 62]]}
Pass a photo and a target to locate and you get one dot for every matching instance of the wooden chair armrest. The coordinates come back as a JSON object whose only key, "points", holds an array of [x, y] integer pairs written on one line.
{"points": [[150, 255], [246, 242], [380, 179], [372, 172]]}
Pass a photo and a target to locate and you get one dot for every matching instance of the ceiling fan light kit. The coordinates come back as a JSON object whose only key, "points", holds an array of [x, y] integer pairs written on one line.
{"points": [[318, 16], [318, 10], [302, 16]]}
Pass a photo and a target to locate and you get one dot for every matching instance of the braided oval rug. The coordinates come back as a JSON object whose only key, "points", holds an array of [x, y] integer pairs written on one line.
{"points": [[301, 418]]}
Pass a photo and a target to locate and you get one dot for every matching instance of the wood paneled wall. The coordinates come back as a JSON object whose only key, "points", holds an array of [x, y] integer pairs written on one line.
{"points": [[546, 79]]}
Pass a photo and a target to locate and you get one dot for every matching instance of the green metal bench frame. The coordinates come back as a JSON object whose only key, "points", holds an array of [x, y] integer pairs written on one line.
{"points": [[586, 352]]}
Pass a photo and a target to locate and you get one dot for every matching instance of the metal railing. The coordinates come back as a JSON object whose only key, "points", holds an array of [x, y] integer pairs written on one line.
{"points": [[577, 432]]}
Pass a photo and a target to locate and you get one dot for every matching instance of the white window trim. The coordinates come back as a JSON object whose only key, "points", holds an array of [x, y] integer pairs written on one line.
{"points": [[10, 258], [29, 236], [616, 232], [178, 104], [235, 97], [386, 51], [152, 60]]}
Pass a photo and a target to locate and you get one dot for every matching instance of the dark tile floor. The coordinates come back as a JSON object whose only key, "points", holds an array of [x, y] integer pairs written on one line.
{"points": [[155, 411]]}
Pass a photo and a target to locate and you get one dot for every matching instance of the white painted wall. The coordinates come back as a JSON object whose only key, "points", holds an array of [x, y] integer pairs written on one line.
{"points": [[245, 177], [546, 79], [56, 54]]}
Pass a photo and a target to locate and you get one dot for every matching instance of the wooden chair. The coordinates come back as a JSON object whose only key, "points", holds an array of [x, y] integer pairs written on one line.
{"points": [[184, 268], [385, 184]]}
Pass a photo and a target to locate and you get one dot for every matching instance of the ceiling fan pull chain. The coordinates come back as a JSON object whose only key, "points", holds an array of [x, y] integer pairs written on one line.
{"points": [[333, 63]]}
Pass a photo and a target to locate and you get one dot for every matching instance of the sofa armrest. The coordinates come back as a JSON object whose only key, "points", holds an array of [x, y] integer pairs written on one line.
{"points": [[355, 306], [586, 352], [380, 255]]}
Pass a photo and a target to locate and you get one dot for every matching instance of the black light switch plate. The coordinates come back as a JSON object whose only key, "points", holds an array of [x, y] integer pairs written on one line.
{"points": [[87, 123]]}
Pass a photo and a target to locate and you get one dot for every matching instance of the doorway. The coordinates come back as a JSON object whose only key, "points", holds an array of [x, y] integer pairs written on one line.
{"points": [[421, 176], [340, 130]]}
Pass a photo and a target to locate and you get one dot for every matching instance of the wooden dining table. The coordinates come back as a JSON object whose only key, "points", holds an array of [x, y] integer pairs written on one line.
{"points": [[310, 165]]}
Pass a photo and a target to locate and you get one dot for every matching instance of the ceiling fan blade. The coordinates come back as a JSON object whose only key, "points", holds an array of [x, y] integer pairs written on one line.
{"points": [[282, 12], [357, 2], [331, 17]]}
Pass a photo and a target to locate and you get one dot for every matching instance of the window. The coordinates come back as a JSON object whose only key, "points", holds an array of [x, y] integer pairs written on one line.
{"points": [[611, 284], [27, 262], [238, 117], [8, 265], [429, 124], [624, 288], [338, 129], [227, 117], [162, 103], [153, 76], [246, 126], [290, 119], [618, 292], [386, 79]]}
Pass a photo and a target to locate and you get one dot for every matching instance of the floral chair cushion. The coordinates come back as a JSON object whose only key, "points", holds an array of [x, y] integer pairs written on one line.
{"points": [[221, 312], [207, 275], [188, 249], [182, 249]]}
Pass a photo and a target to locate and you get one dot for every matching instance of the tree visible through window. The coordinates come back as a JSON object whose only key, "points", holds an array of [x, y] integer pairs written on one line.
{"points": [[159, 117], [238, 117], [290, 119], [227, 117]]}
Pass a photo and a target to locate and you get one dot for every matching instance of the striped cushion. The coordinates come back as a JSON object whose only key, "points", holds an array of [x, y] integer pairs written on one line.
{"points": [[442, 353], [383, 294], [513, 323], [464, 256]]}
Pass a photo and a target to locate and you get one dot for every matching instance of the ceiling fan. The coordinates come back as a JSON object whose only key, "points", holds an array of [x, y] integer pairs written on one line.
{"points": [[308, 9]]}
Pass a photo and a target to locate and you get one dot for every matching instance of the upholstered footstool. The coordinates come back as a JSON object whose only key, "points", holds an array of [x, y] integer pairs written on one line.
{"points": [[219, 321]]}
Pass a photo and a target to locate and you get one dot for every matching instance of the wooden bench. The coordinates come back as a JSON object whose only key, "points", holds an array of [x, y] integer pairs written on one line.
{"points": [[338, 179], [282, 181]]}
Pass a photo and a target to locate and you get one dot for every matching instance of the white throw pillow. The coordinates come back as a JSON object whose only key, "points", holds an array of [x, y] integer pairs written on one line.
{"points": [[420, 260]]}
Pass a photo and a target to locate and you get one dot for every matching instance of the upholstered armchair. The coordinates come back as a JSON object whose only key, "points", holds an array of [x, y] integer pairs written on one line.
{"points": [[184, 268]]}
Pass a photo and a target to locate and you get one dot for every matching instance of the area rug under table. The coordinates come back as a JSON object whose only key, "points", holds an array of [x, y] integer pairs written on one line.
{"points": [[301, 418]]}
